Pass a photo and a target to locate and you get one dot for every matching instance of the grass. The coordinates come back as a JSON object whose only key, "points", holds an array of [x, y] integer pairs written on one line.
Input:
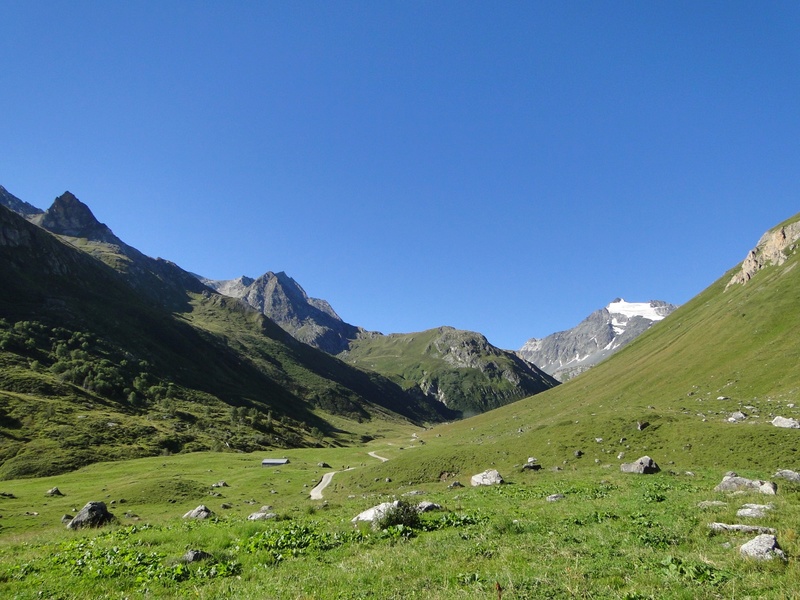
{"points": [[612, 536]]}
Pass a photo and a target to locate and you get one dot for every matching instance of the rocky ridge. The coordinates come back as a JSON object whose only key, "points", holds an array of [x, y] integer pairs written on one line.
{"points": [[568, 353]]}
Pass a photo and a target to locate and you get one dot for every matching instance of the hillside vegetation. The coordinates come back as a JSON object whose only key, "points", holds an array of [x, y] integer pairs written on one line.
{"points": [[460, 369]]}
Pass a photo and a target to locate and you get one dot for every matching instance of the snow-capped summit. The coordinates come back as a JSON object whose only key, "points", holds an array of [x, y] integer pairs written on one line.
{"points": [[568, 353]]}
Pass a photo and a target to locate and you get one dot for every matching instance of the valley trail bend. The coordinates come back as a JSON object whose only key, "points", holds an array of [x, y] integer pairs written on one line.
{"points": [[316, 493]]}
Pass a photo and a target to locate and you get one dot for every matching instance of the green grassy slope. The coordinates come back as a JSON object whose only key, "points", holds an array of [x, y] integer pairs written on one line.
{"points": [[91, 369], [459, 368], [722, 352]]}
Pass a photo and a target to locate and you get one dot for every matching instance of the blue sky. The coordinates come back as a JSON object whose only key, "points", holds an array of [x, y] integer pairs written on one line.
{"points": [[501, 167]]}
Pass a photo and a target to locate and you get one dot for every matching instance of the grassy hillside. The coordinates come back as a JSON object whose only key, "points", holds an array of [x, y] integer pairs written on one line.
{"points": [[457, 368], [722, 352], [91, 369]]}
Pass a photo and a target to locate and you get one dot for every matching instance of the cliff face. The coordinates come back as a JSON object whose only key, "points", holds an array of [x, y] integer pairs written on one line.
{"points": [[773, 248]]}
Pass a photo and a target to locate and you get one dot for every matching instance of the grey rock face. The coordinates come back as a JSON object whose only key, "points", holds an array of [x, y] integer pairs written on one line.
{"points": [[770, 250], [644, 466], [763, 547], [568, 353], [93, 514], [70, 217]]}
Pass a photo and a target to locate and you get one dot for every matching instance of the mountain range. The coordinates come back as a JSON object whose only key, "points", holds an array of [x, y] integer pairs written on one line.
{"points": [[568, 353], [88, 321]]}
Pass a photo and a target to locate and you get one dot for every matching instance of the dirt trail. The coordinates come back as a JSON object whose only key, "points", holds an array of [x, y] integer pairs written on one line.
{"points": [[316, 492]]}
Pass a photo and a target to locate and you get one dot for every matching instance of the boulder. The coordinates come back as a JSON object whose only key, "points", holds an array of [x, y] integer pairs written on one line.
{"points": [[786, 423], [788, 475], [488, 477], [53, 492], [644, 466], [762, 547], [262, 516], [93, 514], [323, 465], [531, 467], [219, 484], [201, 512], [733, 483], [426, 506], [371, 515], [195, 556]]}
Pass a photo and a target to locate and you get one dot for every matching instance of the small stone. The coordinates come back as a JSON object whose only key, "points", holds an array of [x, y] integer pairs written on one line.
{"points": [[195, 555], [555, 497]]}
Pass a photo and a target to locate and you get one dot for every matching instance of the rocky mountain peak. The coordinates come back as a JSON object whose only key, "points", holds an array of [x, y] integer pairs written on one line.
{"points": [[568, 353], [70, 217]]}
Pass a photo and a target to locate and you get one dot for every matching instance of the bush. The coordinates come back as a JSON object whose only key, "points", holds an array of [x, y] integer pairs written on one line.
{"points": [[400, 514]]}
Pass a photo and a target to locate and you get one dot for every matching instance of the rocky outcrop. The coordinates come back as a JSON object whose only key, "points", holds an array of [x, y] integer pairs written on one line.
{"points": [[568, 353], [734, 483], [773, 248]]}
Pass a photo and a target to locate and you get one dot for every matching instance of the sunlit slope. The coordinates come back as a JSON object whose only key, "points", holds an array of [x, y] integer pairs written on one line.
{"points": [[459, 369], [724, 351]]}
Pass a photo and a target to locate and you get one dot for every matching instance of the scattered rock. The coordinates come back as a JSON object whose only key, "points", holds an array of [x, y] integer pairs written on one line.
{"points": [[786, 423], [640, 425], [201, 512], [455, 484], [644, 466], [93, 514], [414, 493], [53, 492], [763, 547], [7, 495], [323, 465], [530, 466], [733, 483], [488, 477], [740, 528], [66, 519], [426, 506], [792, 476], [555, 497], [262, 515], [736, 417], [195, 556], [754, 511], [226, 505], [578, 453], [219, 484]]}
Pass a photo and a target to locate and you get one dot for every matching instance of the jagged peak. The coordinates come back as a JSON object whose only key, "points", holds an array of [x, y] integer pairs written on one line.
{"points": [[70, 217], [20, 207]]}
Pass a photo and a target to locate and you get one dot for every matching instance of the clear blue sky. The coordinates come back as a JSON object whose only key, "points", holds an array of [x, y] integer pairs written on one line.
{"points": [[504, 167]]}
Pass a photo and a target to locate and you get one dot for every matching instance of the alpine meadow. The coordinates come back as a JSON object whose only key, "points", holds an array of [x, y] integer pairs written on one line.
{"points": [[137, 405]]}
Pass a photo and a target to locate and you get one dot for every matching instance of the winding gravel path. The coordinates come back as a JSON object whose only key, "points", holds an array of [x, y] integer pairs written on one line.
{"points": [[316, 492]]}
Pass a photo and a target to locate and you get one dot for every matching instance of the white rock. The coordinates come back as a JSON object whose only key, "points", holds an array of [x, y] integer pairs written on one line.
{"points": [[488, 477], [762, 547], [786, 423]]}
